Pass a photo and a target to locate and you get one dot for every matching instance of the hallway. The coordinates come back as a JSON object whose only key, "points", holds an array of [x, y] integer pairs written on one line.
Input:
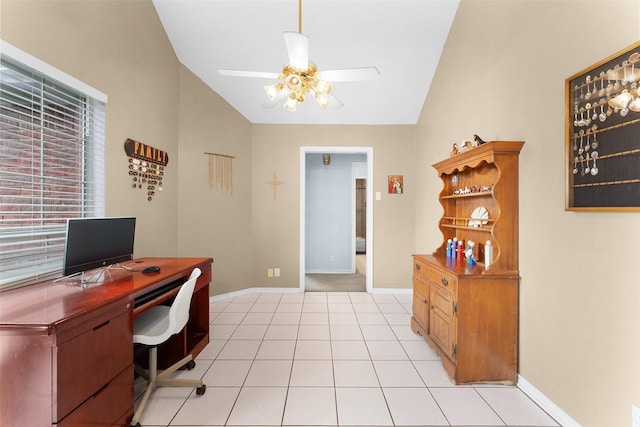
{"points": [[339, 282]]}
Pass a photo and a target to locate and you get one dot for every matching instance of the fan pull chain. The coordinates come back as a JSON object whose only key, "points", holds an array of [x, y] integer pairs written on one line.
{"points": [[300, 16]]}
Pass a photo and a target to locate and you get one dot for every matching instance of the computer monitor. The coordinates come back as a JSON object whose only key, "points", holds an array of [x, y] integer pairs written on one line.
{"points": [[97, 242]]}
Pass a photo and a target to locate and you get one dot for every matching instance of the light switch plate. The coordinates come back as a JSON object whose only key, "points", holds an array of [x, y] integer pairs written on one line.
{"points": [[635, 416]]}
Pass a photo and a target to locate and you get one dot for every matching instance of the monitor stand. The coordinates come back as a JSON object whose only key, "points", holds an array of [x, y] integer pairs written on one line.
{"points": [[87, 279]]}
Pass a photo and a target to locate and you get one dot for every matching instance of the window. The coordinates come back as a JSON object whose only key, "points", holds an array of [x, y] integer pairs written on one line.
{"points": [[51, 164]]}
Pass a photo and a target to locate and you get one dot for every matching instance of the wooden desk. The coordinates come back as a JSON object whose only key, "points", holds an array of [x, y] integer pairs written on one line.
{"points": [[66, 353]]}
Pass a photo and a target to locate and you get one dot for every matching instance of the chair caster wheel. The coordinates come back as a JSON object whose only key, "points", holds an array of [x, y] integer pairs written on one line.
{"points": [[190, 365], [200, 390]]}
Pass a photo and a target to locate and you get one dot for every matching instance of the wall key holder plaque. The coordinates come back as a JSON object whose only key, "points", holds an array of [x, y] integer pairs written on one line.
{"points": [[602, 141], [146, 166]]}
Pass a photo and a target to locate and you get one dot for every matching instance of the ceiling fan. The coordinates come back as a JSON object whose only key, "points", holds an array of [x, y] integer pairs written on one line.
{"points": [[300, 78]]}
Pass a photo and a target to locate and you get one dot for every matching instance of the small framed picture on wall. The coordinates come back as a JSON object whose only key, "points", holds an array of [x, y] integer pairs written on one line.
{"points": [[395, 184]]}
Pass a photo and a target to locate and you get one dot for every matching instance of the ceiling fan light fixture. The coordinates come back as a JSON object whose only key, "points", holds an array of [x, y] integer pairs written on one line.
{"points": [[323, 100], [294, 82], [273, 90], [324, 87], [291, 104]]}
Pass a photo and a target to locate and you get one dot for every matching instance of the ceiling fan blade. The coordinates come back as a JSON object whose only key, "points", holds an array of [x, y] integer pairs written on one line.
{"points": [[350, 74], [335, 103], [298, 49], [269, 104], [255, 74]]}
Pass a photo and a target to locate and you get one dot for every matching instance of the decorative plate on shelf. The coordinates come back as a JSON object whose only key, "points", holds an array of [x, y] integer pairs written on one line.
{"points": [[478, 217]]}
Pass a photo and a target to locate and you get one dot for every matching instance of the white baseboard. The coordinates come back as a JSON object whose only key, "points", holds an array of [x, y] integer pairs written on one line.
{"points": [[248, 291], [547, 404], [399, 291]]}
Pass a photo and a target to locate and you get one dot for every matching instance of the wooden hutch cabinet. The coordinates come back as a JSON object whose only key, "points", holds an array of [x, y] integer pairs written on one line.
{"points": [[468, 313]]}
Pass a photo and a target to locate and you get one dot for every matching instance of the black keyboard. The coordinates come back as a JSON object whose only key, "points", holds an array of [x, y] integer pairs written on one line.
{"points": [[157, 292]]}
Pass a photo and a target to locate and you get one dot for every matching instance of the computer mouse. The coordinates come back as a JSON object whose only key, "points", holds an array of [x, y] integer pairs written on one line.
{"points": [[151, 269]]}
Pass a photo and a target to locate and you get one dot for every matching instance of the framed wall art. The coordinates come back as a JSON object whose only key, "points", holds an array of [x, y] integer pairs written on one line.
{"points": [[602, 141], [395, 184]]}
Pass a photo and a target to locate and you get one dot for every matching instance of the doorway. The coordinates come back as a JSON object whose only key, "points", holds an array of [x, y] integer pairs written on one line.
{"points": [[334, 263]]}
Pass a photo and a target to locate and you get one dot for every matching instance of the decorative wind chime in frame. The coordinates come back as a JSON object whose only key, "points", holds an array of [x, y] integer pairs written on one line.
{"points": [[221, 172]]}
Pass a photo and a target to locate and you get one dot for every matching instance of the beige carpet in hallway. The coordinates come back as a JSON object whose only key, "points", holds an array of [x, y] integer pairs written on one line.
{"points": [[320, 282]]}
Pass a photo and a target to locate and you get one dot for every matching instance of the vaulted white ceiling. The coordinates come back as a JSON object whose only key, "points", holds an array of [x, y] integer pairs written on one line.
{"points": [[403, 39]]}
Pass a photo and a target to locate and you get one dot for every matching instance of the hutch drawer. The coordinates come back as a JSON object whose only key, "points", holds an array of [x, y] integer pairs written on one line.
{"points": [[443, 278]]}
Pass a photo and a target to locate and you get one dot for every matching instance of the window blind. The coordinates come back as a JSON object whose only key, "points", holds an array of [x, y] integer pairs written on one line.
{"points": [[51, 169]]}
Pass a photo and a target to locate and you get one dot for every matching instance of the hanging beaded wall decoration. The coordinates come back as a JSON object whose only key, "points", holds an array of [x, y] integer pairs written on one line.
{"points": [[146, 166], [221, 172]]}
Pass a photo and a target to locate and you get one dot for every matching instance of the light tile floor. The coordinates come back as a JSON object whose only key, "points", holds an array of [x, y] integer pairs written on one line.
{"points": [[328, 359]]}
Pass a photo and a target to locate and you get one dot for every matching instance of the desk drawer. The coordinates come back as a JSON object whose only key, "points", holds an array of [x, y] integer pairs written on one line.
{"points": [[110, 406], [84, 364]]}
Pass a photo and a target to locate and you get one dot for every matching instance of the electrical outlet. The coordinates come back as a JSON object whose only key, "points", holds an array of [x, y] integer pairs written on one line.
{"points": [[635, 416], [269, 272], [276, 272], [332, 258]]}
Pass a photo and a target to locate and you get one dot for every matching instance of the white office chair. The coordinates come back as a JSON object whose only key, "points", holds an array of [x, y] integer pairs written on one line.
{"points": [[155, 326]]}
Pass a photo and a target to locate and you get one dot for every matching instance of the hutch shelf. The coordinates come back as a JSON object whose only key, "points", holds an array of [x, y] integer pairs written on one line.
{"points": [[468, 313]]}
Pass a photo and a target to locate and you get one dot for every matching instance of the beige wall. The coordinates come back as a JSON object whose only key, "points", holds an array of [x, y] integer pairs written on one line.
{"points": [[276, 223], [213, 223], [502, 77], [119, 48]]}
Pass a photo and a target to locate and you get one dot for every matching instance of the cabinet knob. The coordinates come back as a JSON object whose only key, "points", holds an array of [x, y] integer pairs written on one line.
{"points": [[444, 281], [417, 266]]}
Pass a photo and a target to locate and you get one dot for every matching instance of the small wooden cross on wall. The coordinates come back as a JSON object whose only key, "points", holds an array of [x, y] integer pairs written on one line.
{"points": [[274, 183]]}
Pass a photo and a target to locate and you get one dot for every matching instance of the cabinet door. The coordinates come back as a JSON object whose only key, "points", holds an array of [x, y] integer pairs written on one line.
{"points": [[421, 303], [441, 319]]}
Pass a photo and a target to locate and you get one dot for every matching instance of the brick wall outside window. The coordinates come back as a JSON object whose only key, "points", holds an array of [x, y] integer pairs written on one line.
{"points": [[46, 170]]}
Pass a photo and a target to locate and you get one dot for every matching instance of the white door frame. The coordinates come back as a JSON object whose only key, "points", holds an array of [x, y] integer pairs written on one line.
{"points": [[303, 188]]}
